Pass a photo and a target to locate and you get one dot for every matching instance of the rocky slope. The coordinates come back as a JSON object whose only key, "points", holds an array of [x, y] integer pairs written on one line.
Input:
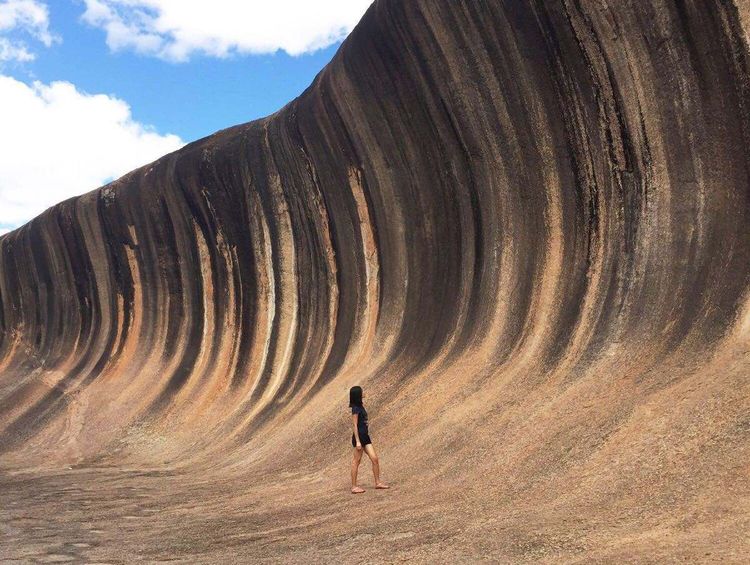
{"points": [[522, 227]]}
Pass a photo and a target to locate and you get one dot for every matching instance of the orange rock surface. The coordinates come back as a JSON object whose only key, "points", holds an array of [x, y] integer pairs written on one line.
{"points": [[522, 227]]}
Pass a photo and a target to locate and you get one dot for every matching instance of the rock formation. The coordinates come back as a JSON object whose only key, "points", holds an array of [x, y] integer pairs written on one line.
{"points": [[522, 227]]}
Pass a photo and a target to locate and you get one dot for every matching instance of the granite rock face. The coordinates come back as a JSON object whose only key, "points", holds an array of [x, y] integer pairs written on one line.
{"points": [[522, 227]]}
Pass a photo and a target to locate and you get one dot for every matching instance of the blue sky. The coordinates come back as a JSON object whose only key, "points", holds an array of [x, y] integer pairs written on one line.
{"points": [[190, 99], [94, 88]]}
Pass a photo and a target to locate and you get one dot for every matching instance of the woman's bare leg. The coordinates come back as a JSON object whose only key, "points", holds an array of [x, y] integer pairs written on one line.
{"points": [[375, 465], [355, 465]]}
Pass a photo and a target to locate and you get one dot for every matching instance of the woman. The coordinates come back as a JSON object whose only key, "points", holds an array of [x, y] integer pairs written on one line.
{"points": [[360, 438]]}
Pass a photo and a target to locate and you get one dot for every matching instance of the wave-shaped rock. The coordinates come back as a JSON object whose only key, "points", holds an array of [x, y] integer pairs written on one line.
{"points": [[523, 227]]}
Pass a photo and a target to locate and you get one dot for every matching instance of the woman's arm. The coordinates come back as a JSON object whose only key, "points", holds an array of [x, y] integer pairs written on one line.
{"points": [[355, 417]]}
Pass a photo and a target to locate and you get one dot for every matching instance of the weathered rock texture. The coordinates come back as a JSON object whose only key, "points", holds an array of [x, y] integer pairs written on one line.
{"points": [[522, 227]]}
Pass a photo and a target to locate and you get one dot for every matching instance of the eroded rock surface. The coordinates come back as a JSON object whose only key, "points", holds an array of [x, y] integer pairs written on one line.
{"points": [[522, 227]]}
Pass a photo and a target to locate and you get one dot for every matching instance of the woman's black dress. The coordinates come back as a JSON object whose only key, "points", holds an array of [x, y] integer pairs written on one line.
{"points": [[364, 434]]}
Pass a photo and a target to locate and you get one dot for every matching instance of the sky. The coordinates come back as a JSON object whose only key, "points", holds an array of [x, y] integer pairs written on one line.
{"points": [[91, 89]]}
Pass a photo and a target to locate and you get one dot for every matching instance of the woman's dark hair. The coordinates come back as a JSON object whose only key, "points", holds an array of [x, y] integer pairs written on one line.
{"points": [[355, 396]]}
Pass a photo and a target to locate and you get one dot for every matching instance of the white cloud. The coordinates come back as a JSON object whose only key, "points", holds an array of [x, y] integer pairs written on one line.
{"points": [[23, 16], [58, 142], [14, 51], [3, 231], [175, 29]]}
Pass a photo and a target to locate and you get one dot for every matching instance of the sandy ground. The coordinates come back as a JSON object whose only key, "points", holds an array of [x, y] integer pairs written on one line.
{"points": [[118, 516]]}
